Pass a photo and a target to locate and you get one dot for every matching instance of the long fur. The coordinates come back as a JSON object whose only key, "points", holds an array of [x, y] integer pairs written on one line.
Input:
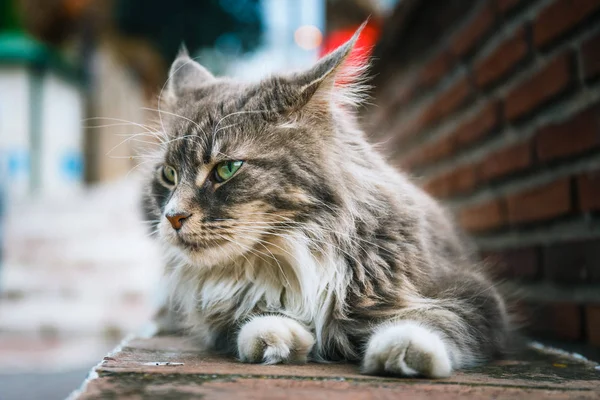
{"points": [[315, 228]]}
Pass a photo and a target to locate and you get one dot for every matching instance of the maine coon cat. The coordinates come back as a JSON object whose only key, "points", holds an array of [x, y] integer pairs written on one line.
{"points": [[290, 238]]}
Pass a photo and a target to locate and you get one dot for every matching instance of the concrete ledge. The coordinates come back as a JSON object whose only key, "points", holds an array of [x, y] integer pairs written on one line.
{"points": [[172, 368]]}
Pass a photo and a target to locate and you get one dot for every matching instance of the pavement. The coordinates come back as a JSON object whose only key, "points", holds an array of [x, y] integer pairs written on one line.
{"points": [[78, 274], [170, 367]]}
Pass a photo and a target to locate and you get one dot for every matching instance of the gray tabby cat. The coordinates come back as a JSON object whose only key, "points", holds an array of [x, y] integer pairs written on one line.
{"points": [[290, 238]]}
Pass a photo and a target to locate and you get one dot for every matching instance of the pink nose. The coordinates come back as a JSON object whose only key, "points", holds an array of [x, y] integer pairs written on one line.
{"points": [[176, 219]]}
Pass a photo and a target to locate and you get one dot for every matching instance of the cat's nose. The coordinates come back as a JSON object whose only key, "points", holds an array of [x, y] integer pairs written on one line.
{"points": [[177, 219]]}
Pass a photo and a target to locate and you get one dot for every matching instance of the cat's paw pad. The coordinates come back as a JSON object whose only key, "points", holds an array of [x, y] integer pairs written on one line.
{"points": [[407, 349], [274, 340]]}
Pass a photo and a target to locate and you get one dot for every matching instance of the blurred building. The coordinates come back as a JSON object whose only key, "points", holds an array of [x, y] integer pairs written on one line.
{"points": [[494, 106], [41, 108], [79, 78], [82, 78]]}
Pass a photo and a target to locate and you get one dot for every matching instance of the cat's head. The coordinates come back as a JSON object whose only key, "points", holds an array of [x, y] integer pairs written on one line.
{"points": [[243, 164]]}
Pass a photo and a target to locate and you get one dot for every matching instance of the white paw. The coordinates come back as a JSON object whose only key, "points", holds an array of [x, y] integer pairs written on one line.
{"points": [[407, 349], [273, 339]]}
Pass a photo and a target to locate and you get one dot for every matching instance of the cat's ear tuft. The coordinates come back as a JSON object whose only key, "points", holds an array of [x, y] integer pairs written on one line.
{"points": [[183, 51], [318, 84], [186, 74], [334, 60]]}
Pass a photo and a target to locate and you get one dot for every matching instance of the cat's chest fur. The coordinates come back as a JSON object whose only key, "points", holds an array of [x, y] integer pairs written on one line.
{"points": [[295, 282]]}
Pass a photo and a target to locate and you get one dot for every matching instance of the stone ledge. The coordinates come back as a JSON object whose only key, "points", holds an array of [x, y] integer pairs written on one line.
{"points": [[168, 367]]}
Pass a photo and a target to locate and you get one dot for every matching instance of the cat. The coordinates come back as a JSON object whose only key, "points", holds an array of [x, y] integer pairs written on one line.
{"points": [[290, 238]]}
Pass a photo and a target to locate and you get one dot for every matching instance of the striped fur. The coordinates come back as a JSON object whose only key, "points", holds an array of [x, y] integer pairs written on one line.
{"points": [[315, 231]]}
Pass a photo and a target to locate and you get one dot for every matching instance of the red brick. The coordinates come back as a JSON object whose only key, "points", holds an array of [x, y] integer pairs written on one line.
{"points": [[433, 152], [588, 188], [566, 320], [448, 101], [484, 122], [523, 262], [451, 99], [572, 262], [560, 17], [576, 135], [463, 179], [436, 68], [497, 268], [459, 180], [544, 202], [404, 94], [483, 217], [474, 30], [438, 186], [502, 60], [590, 57], [506, 161], [553, 79], [556, 320], [507, 5], [410, 160], [592, 317], [408, 129]]}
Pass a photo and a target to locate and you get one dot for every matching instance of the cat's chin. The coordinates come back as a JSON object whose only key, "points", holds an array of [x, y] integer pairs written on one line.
{"points": [[207, 255]]}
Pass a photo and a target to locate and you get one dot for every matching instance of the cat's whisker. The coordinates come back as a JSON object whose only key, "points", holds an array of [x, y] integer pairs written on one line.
{"points": [[129, 139], [287, 236], [134, 168], [109, 125], [146, 128], [266, 232], [322, 239], [153, 221], [224, 127], [152, 233], [325, 229], [175, 115], [243, 247], [278, 264], [237, 113], [185, 137], [140, 157], [260, 241]]}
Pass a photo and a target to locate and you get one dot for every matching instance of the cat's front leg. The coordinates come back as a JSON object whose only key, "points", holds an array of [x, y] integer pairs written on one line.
{"points": [[407, 348], [274, 339]]}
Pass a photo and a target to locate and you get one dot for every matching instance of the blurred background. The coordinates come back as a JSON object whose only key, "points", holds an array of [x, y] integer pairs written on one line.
{"points": [[492, 105]]}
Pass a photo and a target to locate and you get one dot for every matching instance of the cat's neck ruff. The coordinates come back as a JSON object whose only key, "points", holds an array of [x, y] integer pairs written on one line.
{"points": [[287, 277]]}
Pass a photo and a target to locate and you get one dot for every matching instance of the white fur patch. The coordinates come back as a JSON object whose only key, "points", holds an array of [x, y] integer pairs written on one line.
{"points": [[286, 278], [407, 349], [274, 339]]}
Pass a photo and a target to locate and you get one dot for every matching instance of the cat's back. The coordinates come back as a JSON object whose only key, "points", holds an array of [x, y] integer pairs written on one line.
{"points": [[442, 238]]}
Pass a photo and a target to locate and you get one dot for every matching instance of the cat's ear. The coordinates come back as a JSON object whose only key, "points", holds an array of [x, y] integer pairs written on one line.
{"points": [[186, 74], [317, 87]]}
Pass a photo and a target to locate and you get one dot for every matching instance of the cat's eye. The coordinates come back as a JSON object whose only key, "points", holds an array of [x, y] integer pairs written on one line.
{"points": [[169, 174], [226, 169]]}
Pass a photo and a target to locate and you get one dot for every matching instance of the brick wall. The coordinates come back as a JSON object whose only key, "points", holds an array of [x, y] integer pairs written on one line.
{"points": [[499, 117]]}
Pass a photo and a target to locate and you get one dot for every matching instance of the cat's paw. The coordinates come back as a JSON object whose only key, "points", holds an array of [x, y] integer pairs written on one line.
{"points": [[273, 339], [407, 349]]}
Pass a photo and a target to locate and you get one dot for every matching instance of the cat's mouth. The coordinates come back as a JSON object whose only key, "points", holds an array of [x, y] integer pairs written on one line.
{"points": [[200, 245]]}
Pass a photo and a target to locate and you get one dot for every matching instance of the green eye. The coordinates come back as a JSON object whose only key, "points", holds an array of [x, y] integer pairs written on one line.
{"points": [[169, 174], [226, 170]]}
